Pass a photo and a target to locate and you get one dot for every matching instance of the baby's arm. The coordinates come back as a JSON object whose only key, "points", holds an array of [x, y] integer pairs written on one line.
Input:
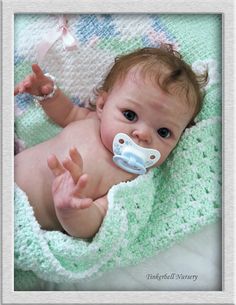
{"points": [[79, 216], [59, 107]]}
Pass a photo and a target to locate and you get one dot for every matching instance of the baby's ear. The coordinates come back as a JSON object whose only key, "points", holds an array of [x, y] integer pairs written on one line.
{"points": [[100, 102]]}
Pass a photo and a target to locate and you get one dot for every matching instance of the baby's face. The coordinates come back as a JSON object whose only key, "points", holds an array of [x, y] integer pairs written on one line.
{"points": [[150, 117]]}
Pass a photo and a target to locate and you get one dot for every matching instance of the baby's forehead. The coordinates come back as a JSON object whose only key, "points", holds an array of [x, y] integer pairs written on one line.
{"points": [[146, 81], [156, 77], [139, 73], [152, 78], [147, 75]]}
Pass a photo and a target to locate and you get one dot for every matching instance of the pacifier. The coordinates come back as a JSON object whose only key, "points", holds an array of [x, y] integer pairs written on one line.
{"points": [[131, 157]]}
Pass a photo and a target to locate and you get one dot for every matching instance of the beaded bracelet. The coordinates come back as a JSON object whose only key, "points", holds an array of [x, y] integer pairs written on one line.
{"points": [[41, 98]]}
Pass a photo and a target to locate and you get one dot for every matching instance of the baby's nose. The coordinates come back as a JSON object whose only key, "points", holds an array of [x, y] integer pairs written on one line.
{"points": [[142, 135]]}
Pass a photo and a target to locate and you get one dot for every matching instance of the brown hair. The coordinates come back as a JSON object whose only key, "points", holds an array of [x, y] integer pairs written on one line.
{"points": [[164, 66]]}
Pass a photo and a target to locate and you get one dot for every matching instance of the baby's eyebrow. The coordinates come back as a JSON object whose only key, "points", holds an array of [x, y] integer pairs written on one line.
{"points": [[175, 125], [135, 103]]}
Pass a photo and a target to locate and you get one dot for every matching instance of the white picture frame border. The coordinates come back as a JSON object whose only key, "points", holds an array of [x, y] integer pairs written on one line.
{"points": [[8, 9]]}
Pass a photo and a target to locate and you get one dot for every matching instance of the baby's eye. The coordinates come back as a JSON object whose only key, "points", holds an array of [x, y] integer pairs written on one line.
{"points": [[164, 132], [130, 115]]}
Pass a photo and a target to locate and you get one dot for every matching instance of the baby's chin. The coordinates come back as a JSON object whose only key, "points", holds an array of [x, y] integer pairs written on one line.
{"points": [[107, 146], [109, 149]]}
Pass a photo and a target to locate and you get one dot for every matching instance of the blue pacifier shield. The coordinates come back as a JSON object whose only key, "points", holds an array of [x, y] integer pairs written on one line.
{"points": [[131, 157]]}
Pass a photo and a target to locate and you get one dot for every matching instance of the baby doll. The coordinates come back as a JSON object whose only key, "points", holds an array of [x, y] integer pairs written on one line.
{"points": [[148, 98]]}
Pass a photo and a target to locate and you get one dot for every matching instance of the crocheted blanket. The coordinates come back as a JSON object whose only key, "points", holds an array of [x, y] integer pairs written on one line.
{"points": [[153, 211]]}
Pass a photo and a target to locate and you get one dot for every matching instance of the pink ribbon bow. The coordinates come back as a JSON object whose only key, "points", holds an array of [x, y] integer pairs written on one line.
{"points": [[69, 42]]}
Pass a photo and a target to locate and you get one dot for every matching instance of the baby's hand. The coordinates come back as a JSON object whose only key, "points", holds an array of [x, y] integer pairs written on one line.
{"points": [[67, 194], [69, 182], [36, 83]]}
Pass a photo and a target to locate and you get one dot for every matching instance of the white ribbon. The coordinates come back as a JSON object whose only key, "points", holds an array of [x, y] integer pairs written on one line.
{"points": [[69, 42]]}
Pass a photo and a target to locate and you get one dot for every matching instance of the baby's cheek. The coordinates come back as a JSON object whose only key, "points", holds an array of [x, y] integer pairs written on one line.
{"points": [[107, 138], [164, 155]]}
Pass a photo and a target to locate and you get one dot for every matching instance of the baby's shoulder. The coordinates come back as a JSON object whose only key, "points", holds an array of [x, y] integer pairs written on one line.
{"points": [[88, 122], [91, 114], [79, 113]]}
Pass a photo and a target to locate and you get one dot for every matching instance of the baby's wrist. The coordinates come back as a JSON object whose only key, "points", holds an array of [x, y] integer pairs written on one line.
{"points": [[42, 98]]}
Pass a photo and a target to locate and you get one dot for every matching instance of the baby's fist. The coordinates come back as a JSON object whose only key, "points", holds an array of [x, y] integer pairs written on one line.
{"points": [[35, 83]]}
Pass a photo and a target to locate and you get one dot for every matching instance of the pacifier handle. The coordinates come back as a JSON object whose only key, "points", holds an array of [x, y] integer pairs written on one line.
{"points": [[131, 157], [123, 163]]}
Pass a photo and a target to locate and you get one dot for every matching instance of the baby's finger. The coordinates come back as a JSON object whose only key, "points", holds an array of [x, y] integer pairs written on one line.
{"points": [[28, 81], [73, 168], [37, 70], [55, 166], [16, 90], [76, 157], [81, 203], [80, 185], [27, 85], [21, 87], [56, 184]]}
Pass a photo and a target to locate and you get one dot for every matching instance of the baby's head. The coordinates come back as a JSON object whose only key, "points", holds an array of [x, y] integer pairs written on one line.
{"points": [[151, 95]]}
